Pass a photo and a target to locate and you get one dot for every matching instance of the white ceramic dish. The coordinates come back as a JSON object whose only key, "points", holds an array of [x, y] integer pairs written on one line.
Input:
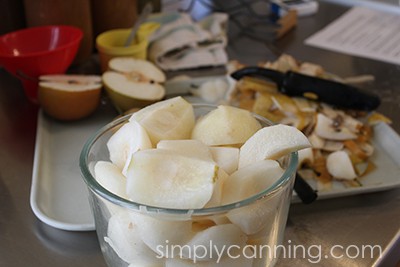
{"points": [[58, 193], [59, 196]]}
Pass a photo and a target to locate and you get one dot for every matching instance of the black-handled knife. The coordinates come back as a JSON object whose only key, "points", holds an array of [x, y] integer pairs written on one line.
{"points": [[304, 191], [314, 88]]}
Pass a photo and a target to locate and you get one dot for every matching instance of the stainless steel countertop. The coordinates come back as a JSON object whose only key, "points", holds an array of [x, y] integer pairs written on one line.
{"points": [[369, 219]]}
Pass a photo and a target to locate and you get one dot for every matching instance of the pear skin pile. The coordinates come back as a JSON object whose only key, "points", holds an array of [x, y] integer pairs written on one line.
{"points": [[341, 139], [166, 157]]}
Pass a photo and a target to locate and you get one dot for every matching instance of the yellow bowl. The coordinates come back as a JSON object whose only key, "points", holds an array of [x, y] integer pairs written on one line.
{"points": [[111, 43]]}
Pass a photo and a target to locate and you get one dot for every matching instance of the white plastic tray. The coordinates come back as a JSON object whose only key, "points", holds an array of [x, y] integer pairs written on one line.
{"points": [[59, 195]]}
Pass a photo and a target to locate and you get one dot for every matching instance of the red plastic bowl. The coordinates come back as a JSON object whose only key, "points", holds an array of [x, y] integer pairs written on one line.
{"points": [[35, 51]]}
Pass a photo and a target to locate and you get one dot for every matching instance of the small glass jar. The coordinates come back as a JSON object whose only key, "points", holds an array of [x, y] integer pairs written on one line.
{"points": [[247, 233]]}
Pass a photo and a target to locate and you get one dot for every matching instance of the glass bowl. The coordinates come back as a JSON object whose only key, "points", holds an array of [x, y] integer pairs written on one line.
{"points": [[244, 233]]}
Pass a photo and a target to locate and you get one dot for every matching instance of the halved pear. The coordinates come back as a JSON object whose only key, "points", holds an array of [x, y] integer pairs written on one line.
{"points": [[339, 165], [194, 148], [170, 119], [225, 125], [220, 236], [169, 179], [272, 142], [142, 69], [133, 83], [128, 139], [123, 236], [227, 158], [69, 97]]}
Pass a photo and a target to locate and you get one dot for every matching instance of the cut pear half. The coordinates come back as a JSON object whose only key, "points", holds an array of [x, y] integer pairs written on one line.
{"points": [[166, 178], [69, 97], [133, 83], [127, 93], [143, 70]]}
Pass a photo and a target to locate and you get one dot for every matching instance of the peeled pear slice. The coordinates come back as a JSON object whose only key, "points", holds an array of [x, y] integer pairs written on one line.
{"points": [[69, 97], [339, 165], [194, 148], [250, 180], [227, 158], [123, 237], [246, 182], [256, 217], [159, 235], [220, 236], [169, 179], [128, 139], [218, 187], [225, 125], [110, 177], [170, 119], [272, 142]]}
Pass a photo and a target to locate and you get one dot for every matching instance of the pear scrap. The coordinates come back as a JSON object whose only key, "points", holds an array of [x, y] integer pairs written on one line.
{"points": [[325, 128], [339, 165], [128, 139], [133, 83], [225, 125], [169, 179], [272, 142], [306, 156], [170, 119]]}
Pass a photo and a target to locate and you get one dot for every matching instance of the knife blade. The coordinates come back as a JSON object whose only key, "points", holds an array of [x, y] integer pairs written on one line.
{"points": [[296, 84]]}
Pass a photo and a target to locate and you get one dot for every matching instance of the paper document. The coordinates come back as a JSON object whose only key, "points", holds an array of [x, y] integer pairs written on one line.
{"points": [[362, 32]]}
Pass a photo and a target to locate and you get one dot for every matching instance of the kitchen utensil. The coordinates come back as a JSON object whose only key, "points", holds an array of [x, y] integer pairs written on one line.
{"points": [[147, 10], [35, 51], [296, 84]]}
